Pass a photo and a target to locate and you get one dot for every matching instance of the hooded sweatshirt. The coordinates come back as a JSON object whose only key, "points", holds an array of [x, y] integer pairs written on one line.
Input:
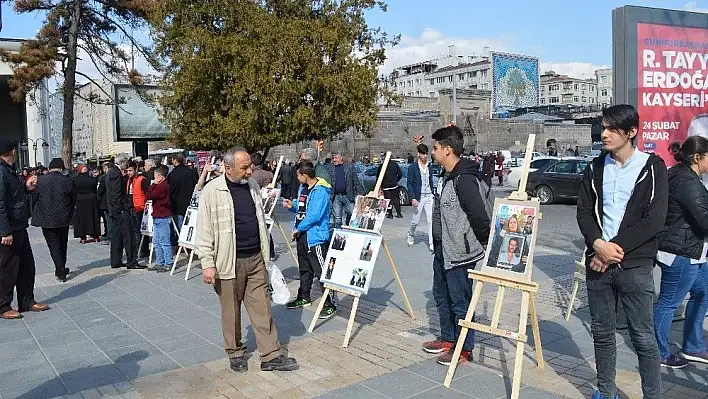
{"points": [[644, 215], [317, 212], [460, 212]]}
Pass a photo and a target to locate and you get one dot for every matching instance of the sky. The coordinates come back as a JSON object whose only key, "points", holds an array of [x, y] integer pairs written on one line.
{"points": [[570, 37]]}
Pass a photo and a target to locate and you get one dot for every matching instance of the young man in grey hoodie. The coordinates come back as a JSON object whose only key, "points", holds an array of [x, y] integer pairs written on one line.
{"points": [[460, 234]]}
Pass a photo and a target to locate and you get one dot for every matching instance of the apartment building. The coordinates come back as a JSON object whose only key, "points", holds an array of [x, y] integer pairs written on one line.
{"points": [[427, 78], [566, 90], [604, 87]]}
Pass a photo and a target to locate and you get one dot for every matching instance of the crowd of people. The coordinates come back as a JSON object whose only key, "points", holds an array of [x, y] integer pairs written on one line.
{"points": [[632, 213]]}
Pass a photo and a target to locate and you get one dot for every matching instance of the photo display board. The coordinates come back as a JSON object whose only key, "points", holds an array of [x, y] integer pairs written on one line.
{"points": [[512, 239], [146, 225], [188, 233], [351, 258]]}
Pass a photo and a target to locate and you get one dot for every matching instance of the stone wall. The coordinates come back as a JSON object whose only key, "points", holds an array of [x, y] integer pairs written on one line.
{"points": [[397, 126]]}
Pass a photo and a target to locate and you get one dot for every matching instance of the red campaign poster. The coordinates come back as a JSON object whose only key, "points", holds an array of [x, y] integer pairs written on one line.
{"points": [[202, 159], [672, 65]]}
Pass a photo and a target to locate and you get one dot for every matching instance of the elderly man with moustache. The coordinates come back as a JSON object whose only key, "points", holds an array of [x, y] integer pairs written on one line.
{"points": [[232, 243]]}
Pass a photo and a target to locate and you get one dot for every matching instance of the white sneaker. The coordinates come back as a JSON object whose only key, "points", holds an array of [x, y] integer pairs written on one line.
{"points": [[410, 240]]}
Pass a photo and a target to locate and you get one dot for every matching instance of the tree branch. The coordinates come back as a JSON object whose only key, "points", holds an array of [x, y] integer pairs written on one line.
{"points": [[97, 84]]}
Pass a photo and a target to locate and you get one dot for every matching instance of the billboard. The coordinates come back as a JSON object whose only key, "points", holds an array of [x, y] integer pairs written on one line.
{"points": [[660, 59], [515, 82], [136, 117]]}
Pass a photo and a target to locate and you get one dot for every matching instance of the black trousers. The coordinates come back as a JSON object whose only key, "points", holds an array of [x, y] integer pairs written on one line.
{"points": [[17, 271], [272, 246], [123, 238], [57, 241], [395, 197], [310, 261]]}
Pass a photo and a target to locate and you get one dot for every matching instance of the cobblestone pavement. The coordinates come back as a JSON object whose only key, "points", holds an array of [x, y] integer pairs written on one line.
{"points": [[138, 334]]}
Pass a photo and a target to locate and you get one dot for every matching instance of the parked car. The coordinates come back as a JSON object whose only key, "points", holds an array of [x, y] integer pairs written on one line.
{"points": [[538, 163], [368, 180], [560, 179]]}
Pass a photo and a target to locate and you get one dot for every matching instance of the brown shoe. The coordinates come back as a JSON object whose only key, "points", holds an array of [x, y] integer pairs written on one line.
{"points": [[11, 314], [37, 307]]}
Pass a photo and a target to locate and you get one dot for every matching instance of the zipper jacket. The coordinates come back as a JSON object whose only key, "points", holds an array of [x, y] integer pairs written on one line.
{"points": [[644, 214]]}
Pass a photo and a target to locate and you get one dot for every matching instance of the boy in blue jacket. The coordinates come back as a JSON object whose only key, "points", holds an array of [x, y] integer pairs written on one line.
{"points": [[312, 212]]}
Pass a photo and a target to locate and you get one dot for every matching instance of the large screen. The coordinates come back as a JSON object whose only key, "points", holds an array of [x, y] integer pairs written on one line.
{"points": [[136, 115], [672, 85], [661, 67], [515, 81]]}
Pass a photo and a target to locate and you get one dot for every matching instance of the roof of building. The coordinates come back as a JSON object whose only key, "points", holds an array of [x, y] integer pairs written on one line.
{"points": [[461, 66], [536, 116], [563, 78]]}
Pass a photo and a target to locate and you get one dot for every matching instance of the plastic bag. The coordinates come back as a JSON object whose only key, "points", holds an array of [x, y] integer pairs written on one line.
{"points": [[277, 287]]}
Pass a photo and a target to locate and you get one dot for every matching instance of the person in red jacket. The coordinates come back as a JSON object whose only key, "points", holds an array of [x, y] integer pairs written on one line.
{"points": [[159, 194]]}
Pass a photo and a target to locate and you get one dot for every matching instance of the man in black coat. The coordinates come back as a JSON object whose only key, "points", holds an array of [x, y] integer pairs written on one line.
{"points": [[53, 213], [17, 269], [389, 186], [182, 181], [103, 203], [119, 206]]}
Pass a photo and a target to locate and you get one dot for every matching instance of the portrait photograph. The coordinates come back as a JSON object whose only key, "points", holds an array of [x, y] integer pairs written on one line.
{"points": [[330, 268], [366, 252], [512, 238], [270, 199], [359, 277]]}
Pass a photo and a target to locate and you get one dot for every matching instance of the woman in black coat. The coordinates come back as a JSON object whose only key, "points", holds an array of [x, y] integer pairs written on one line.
{"points": [[52, 212], [87, 217]]}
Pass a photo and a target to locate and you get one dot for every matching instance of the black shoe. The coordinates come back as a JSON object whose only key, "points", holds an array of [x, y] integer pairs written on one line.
{"points": [[67, 270], [328, 311], [399, 216], [239, 364], [280, 363], [61, 279], [136, 266], [118, 266], [389, 216], [298, 303]]}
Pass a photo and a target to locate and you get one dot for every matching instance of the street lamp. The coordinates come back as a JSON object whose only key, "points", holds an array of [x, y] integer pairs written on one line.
{"points": [[25, 147]]}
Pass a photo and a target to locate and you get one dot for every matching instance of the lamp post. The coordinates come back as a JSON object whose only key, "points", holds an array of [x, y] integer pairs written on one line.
{"points": [[34, 142]]}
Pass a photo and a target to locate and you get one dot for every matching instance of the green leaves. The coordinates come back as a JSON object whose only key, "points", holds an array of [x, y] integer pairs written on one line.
{"points": [[269, 72]]}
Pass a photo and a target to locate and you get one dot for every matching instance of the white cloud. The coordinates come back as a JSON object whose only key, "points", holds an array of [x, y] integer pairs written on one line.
{"points": [[433, 44], [693, 6]]}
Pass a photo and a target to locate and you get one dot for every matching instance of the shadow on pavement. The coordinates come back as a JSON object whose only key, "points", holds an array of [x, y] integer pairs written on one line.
{"points": [[126, 368]]}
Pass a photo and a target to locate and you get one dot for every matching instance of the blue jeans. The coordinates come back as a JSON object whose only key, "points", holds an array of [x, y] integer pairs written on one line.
{"points": [[161, 241], [340, 206], [452, 292], [677, 280], [633, 287]]}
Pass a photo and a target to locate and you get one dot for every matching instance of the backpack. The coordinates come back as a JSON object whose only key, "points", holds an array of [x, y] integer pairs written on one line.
{"points": [[484, 191]]}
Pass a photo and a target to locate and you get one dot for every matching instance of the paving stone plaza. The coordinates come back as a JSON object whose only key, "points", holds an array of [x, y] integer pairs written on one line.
{"points": [[139, 334]]}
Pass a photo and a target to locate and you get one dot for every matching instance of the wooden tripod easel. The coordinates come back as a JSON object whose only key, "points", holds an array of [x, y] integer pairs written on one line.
{"points": [[528, 304], [356, 294]]}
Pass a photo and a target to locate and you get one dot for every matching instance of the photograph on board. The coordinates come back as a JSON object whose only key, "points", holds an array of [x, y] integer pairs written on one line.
{"points": [[369, 213], [270, 198], [351, 259], [512, 237]]}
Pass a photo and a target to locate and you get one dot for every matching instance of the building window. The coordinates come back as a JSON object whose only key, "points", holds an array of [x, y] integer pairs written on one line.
{"points": [[484, 73], [470, 75], [576, 86], [603, 92], [432, 81], [432, 94], [576, 99], [410, 83], [567, 86], [543, 101], [554, 87], [553, 100], [592, 100], [449, 78], [461, 76], [603, 79], [584, 99]]}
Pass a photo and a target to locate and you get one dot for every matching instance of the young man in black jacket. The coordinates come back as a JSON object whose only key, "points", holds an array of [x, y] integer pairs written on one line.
{"points": [[182, 181], [621, 209]]}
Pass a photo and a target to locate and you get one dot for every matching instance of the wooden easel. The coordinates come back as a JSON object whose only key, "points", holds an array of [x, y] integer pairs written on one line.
{"points": [[578, 276], [528, 291], [152, 245], [356, 294]]}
